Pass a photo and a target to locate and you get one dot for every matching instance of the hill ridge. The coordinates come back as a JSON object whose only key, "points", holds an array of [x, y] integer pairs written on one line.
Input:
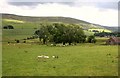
{"points": [[84, 24]]}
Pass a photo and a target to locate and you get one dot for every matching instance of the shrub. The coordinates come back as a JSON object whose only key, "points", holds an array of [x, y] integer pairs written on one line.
{"points": [[17, 41], [91, 39], [24, 41]]}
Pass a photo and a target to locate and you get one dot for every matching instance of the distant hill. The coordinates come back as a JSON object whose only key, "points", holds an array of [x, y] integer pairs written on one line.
{"points": [[114, 29], [84, 24], [42, 19]]}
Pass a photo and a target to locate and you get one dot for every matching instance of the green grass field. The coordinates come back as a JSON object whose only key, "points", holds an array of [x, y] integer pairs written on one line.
{"points": [[79, 60]]}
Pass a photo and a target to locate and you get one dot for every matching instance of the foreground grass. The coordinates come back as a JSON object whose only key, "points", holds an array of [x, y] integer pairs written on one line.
{"points": [[79, 60]]}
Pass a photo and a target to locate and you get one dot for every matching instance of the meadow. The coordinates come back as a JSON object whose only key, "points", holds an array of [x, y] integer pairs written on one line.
{"points": [[80, 60], [20, 59]]}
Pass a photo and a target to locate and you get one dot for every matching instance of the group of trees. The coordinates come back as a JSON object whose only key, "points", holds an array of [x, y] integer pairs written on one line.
{"points": [[60, 33], [8, 27], [104, 34]]}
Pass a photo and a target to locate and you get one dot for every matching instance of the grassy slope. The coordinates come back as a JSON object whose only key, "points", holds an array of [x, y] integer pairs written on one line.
{"points": [[23, 30], [84, 24], [41, 19], [20, 31]]}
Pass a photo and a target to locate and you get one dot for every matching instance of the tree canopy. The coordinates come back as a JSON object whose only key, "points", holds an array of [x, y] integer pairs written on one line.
{"points": [[60, 33]]}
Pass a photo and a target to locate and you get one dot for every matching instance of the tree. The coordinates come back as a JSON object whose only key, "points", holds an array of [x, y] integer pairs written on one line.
{"points": [[43, 33], [91, 39], [8, 27], [79, 36], [60, 33]]}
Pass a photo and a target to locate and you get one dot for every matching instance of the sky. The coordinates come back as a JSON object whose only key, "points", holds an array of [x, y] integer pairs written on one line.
{"points": [[94, 11]]}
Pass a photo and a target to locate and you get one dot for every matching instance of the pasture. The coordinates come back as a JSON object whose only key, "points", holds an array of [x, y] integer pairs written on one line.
{"points": [[20, 59], [100, 30], [80, 60]]}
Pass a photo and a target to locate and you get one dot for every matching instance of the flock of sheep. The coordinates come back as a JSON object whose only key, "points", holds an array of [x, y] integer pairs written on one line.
{"points": [[46, 57]]}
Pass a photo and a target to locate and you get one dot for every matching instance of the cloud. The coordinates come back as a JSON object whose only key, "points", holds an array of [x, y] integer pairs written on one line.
{"points": [[24, 3], [90, 13], [108, 5], [102, 4], [63, 0]]}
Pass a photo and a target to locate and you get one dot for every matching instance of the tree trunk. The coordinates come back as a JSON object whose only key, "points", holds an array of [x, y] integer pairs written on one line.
{"points": [[63, 43], [44, 41], [69, 43], [39, 39]]}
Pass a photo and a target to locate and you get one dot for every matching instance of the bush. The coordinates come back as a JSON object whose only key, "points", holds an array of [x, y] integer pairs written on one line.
{"points": [[24, 41], [17, 41], [91, 39]]}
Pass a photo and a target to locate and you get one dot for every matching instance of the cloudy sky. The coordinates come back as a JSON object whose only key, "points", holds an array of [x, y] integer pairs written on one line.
{"points": [[95, 11]]}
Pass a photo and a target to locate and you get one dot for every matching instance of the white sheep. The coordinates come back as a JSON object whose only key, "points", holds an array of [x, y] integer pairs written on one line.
{"points": [[39, 57], [42, 56], [53, 56], [66, 44], [46, 57], [51, 44]]}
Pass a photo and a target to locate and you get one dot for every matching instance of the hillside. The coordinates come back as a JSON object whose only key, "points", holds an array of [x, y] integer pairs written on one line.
{"points": [[114, 29], [30, 19], [42, 19], [50, 19]]}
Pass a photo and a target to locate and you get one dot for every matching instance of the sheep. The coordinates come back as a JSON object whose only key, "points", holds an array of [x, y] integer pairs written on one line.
{"points": [[63, 45], [54, 56], [66, 44], [42, 56], [46, 57], [39, 56], [51, 44]]}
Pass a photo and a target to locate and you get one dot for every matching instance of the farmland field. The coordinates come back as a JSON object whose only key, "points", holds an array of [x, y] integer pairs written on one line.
{"points": [[85, 59], [79, 60]]}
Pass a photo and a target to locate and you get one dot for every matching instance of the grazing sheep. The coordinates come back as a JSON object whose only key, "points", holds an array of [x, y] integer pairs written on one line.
{"points": [[54, 56], [63, 45], [51, 44], [42, 56], [46, 57], [66, 44]]}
